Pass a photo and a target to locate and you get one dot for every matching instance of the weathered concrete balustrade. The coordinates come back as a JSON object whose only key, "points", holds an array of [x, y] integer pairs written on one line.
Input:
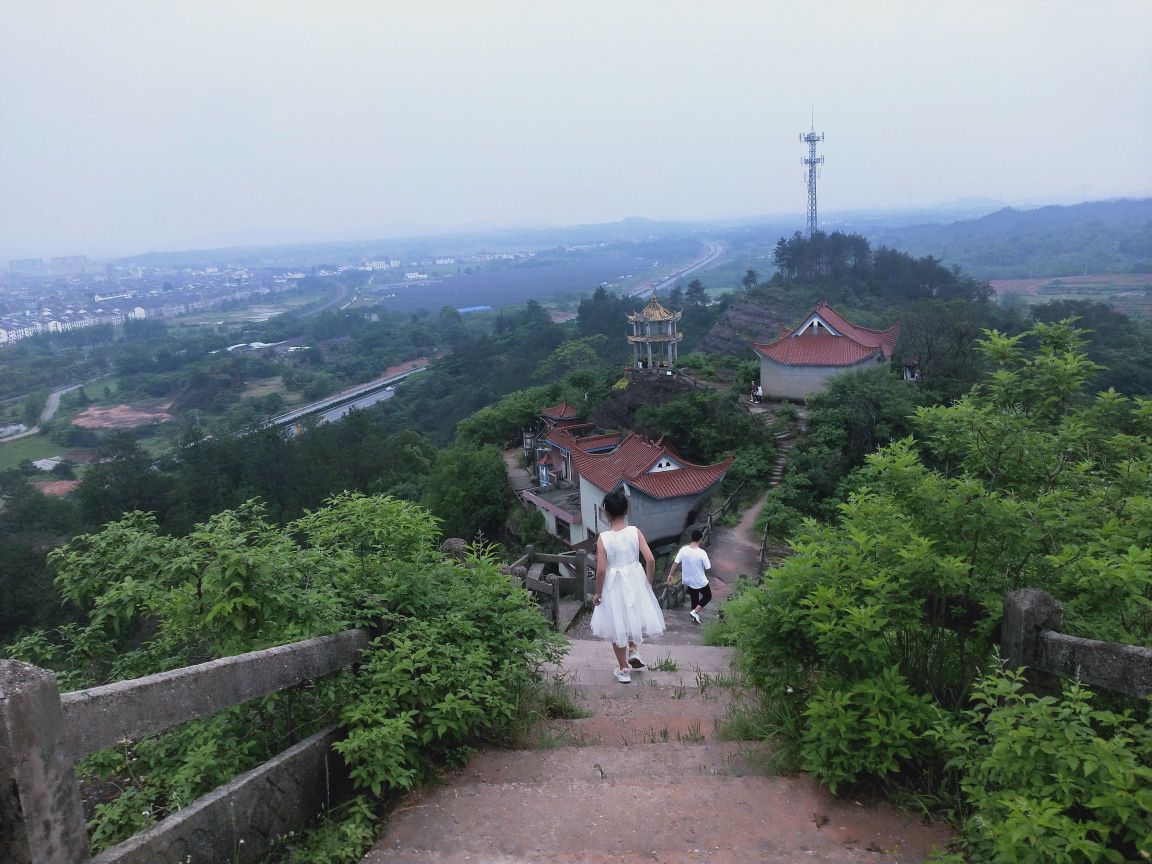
{"points": [[1031, 640], [43, 734]]}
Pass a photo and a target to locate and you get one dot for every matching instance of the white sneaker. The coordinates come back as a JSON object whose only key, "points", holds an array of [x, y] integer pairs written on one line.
{"points": [[635, 662], [622, 676], [695, 616]]}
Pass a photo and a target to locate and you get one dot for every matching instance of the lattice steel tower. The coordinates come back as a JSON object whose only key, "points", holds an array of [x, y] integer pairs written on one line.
{"points": [[812, 161]]}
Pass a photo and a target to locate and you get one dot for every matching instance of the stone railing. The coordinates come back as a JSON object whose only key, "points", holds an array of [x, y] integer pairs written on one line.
{"points": [[44, 733], [1031, 640], [528, 569]]}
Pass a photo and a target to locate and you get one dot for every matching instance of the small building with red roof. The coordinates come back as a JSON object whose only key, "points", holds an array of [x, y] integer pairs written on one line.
{"points": [[577, 465], [802, 359]]}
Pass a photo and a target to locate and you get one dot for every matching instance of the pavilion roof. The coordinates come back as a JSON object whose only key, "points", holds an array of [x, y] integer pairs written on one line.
{"points": [[654, 311]]}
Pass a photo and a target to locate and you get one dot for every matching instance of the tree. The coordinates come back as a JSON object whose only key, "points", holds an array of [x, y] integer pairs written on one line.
{"points": [[696, 294], [940, 337], [750, 279], [121, 480], [469, 491], [585, 354]]}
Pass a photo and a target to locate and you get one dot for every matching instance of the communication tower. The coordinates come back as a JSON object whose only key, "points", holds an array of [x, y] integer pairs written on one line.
{"points": [[811, 138]]}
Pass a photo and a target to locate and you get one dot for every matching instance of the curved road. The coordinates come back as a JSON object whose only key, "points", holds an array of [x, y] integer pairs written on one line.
{"points": [[50, 409], [715, 250]]}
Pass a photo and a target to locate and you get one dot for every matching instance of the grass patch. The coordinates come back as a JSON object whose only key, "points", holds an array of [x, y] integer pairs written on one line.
{"points": [[552, 699], [756, 716], [666, 664], [693, 735], [12, 453]]}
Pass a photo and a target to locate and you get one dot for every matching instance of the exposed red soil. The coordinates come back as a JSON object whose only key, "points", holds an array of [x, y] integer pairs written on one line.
{"points": [[55, 487], [122, 416]]}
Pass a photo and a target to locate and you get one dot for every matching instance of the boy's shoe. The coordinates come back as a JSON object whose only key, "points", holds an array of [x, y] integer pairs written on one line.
{"points": [[635, 662], [622, 676], [695, 616]]}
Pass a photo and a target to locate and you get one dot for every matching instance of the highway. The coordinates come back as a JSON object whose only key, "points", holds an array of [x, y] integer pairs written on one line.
{"points": [[715, 250]]}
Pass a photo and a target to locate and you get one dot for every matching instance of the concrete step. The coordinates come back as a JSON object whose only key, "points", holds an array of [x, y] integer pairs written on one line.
{"points": [[685, 818], [683, 724], [618, 765], [591, 661]]}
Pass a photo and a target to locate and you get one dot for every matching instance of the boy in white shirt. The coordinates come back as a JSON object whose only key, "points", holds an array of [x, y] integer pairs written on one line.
{"points": [[693, 562]]}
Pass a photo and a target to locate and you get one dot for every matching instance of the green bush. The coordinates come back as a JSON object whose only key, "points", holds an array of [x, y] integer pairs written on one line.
{"points": [[461, 644], [866, 728], [1050, 780], [1026, 481]]}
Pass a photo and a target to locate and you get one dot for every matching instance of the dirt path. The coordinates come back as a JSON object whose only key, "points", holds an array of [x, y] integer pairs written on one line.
{"points": [[735, 551]]}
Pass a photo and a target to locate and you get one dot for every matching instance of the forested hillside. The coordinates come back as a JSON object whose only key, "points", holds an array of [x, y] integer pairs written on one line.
{"points": [[1098, 237]]}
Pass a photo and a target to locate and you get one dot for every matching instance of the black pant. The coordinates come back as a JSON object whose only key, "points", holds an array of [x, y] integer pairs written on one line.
{"points": [[699, 596]]}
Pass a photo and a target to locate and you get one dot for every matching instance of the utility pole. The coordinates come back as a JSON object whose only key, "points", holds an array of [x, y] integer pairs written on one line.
{"points": [[811, 138]]}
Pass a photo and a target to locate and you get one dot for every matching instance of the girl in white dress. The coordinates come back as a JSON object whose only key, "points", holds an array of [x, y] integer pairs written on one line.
{"points": [[625, 609]]}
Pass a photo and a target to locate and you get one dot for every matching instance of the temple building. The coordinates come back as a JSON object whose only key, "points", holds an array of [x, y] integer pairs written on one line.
{"points": [[801, 360], [577, 465], [654, 337]]}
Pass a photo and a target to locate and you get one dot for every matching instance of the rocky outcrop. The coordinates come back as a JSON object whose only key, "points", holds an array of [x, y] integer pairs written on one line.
{"points": [[741, 323], [618, 411]]}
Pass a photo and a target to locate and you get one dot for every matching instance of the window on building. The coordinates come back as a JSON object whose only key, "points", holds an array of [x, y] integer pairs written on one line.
{"points": [[563, 530]]}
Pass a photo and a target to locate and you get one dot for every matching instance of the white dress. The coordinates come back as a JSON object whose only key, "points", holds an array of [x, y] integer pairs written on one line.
{"points": [[628, 610]]}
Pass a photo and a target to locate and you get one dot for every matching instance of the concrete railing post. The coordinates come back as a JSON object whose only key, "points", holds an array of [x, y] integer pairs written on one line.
{"points": [[582, 576], [41, 817], [1027, 612]]}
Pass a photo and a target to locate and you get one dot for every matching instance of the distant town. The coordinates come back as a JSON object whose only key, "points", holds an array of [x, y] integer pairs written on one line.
{"points": [[71, 292]]}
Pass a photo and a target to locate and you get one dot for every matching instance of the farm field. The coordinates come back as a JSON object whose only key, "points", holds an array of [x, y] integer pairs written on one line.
{"points": [[517, 285], [255, 312], [1127, 293]]}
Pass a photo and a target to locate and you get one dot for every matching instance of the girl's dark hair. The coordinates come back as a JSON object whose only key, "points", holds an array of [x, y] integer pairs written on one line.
{"points": [[615, 504]]}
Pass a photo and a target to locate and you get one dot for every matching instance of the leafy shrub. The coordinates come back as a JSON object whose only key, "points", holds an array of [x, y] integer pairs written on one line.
{"points": [[865, 728], [1024, 482], [1050, 780], [461, 644]]}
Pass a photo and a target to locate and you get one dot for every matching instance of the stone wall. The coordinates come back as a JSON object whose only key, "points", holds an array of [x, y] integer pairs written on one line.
{"points": [[798, 382]]}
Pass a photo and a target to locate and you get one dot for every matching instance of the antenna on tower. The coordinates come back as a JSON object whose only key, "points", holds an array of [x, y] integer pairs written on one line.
{"points": [[812, 161]]}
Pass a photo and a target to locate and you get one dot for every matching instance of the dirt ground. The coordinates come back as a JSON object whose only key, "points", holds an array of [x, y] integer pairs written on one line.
{"points": [[56, 487], [122, 416]]}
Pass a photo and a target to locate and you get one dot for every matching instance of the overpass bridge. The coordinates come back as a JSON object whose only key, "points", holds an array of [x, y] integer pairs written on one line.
{"points": [[346, 400]]}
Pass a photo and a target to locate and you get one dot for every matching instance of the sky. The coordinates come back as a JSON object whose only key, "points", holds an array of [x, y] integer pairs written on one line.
{"points": [[131, 126]]}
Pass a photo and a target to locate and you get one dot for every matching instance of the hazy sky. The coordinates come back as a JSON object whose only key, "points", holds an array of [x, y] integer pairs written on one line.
{"points": [[127, 126]]}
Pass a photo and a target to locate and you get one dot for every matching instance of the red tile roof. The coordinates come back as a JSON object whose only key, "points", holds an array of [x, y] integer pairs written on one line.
{"points": [[563, 411], [598, 442], [817, 346], [632, 461], [566, 440]]}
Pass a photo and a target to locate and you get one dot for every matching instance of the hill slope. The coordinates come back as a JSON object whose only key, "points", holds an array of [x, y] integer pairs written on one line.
{"points": [[1097, 237]]}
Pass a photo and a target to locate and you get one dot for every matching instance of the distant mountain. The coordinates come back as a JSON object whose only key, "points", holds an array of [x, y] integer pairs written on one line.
{"points": [[1097, 237]]}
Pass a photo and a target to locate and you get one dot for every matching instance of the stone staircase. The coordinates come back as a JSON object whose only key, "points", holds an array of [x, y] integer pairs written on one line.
{"points": [[642, 778]]}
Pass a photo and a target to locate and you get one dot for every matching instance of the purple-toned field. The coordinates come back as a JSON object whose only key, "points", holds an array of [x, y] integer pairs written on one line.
{"points": [[513, 285]]}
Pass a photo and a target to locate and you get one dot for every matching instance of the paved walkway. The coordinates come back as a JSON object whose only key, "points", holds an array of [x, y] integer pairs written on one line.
{"points": [[643, 777], [519, 477]]}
